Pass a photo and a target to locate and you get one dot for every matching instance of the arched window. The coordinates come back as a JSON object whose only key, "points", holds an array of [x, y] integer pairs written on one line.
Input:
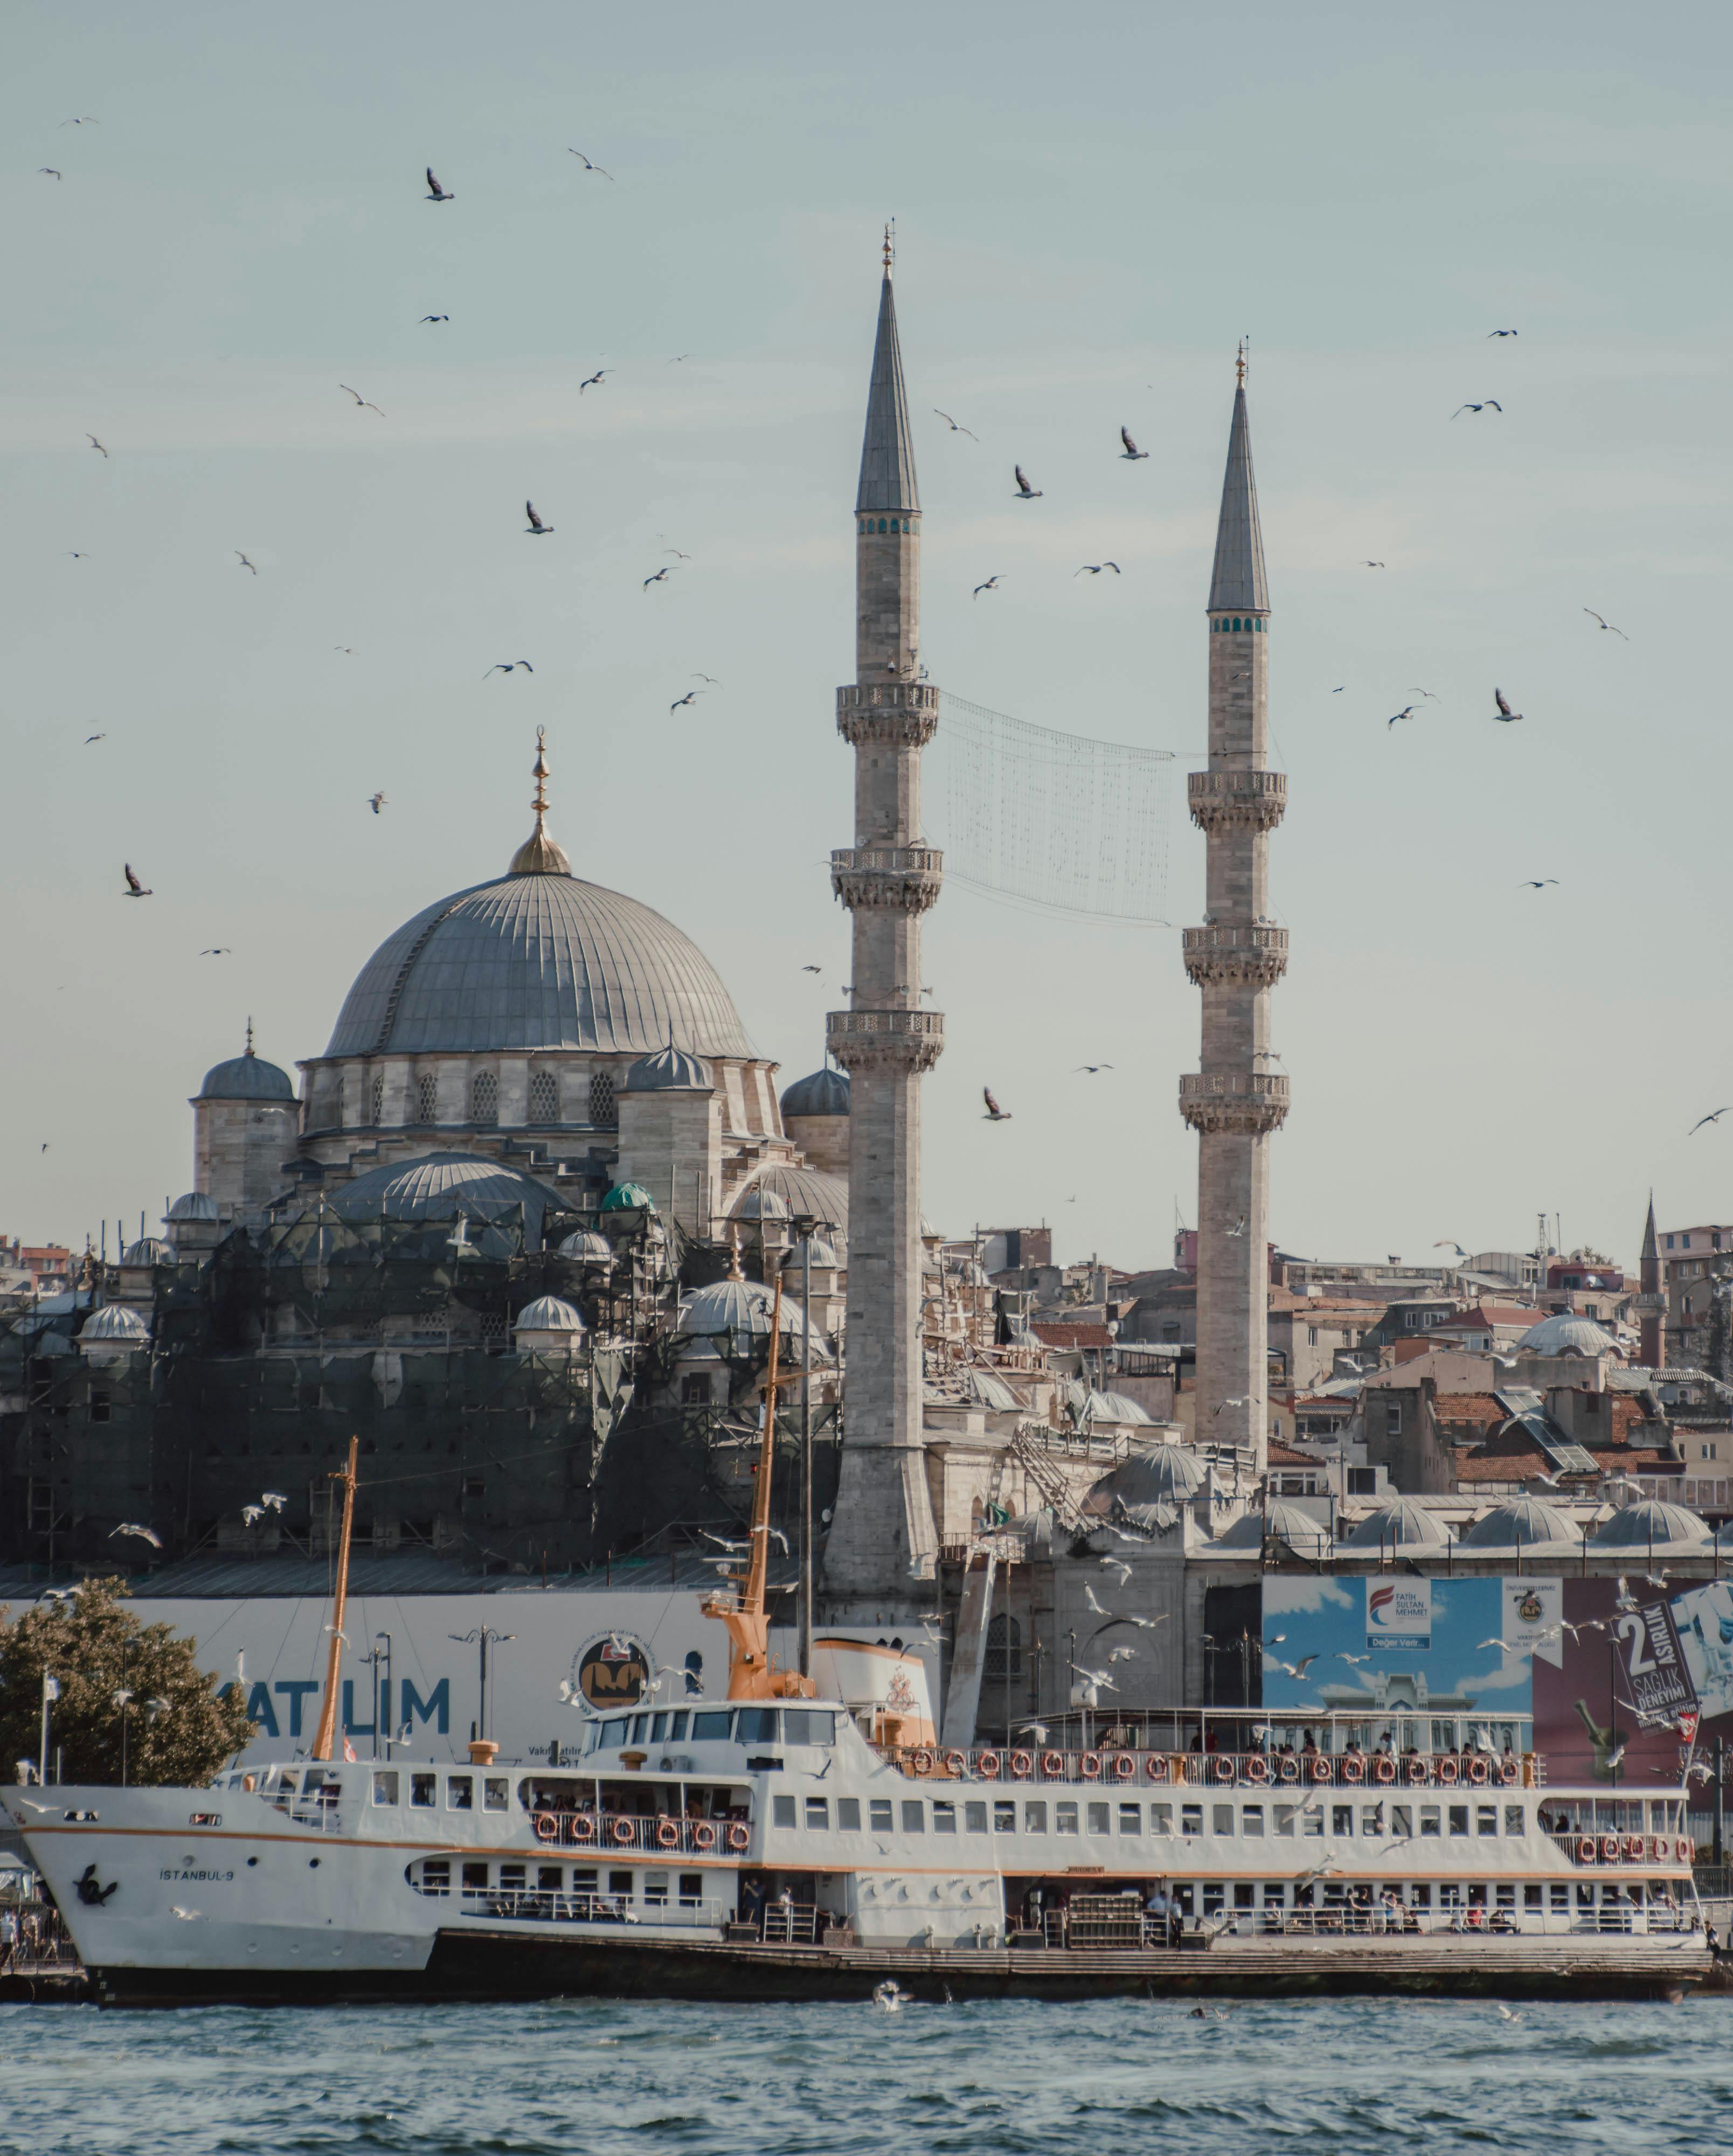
{"points": [[1004, 1649], [881, 523], [601, 1106], [544, 1098], [427, 1098], [484, 1098], [378, 1111]]}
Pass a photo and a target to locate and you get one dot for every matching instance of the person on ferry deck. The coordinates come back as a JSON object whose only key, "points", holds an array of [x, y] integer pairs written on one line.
{"points": [[1195, 1744], [1211, 1741], [1310, 1747], [1353, 1751]]}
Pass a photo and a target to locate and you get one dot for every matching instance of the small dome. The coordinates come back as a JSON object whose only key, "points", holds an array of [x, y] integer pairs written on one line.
{"points": [[1524, 1522], [548, 1314], [116, 1323], [669, 1069], [441, 1186], [1401, 1524], [823, 1255], [1103, 1407], [587, 1248], [1648, 1524], [1303, 1535], [756, 1203], [194, 1206], [1567, 1334], [149, 1250], [628, 1197], [809, 1191], [246, 1077], [1165, 1475], [825, 1093], [737, 1313]]}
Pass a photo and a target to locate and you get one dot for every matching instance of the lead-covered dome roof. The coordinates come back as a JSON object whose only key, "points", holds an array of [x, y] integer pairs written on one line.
{"points": [[824, 1093], [1650, 1524], [1567, 1334], [246, 1077], [441, 1186]]}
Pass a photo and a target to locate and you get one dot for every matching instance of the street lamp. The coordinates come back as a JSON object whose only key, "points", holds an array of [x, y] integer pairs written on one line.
{"points": [[483, 1634], [381, 1658]]}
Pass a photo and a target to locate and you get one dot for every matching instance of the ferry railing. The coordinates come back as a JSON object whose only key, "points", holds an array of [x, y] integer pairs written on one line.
{"points": [[1384, 1774], [315, 1810], [650, 1834], [542, 1906], [790, 1925], [1346, 1920]]}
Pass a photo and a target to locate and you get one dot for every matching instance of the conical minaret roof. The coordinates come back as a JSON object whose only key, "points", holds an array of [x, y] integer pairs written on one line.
{"points": [[1651, 1248], [887, 453], [1237, 579]]}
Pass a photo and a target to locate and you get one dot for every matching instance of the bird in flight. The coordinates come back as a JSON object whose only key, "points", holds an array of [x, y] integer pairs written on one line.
{"points": [[134, 889], [677, 358], [1025, 491], [436, 318], [1238, 1227], [1130, 453], [1506, 716], [990, 585], [435, 191], [1406, 712], [676, 553], [1604, 623], [1092, 1068], [218, 951], [1295, 1669], [1429, 696], [1371, 565], [87, 119], [710, 678], [365, 404], [1536, 883], [1714, 1118], [536, 528], [589, 167], [376, 801], [1493, 333], [593, 380], [243, 562], [1449, 1243], [94, 443], [140, 1533], [73, 554], [509, 666], [812, 969], [660, 574], [1094, 569], [50, 171], [954, 428], [692, 696], [995, 1113], [1487, 404], [89, 738]]}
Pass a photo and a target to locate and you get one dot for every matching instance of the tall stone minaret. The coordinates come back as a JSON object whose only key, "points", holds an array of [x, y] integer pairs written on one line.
{"points": [[1651, 1302], [882, 1539], [1238, 1097]]}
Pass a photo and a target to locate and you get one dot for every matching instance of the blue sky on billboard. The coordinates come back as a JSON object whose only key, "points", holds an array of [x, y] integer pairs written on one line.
{"points": [[1359, 1663]]}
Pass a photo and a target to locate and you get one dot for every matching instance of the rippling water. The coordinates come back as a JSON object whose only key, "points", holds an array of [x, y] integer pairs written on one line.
{"points": [[1334, 2076]]}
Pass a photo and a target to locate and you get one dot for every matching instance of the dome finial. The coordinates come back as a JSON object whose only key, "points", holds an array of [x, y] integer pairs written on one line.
{"points": [[539, 855], [1239, 365], [734, 1270], [890, 243], [250, 1033]]}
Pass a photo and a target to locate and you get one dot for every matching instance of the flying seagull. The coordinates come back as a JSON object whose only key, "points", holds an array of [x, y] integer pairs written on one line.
{"points": [[1238, 1227], [134, 889], [1493, 333], [1095, 568], [365, 404], [140, 1533], [1449, 1243], [1701, 1120], [1025, 491], [953, 425], [1429, 696], [1092, 1068], [50, 171], [995, 1113], [1487, 404], [89, 738], [812, 969], [1506, 716], [1088, 1596], [1295, 1669], [990, 585], [593, 381], [1536, 883], [1604, 623], [1406, 712], [376, 801], [243, 562], [435, 191], [85, 120], [217, 951], [587, 165], [536, 528], [660, 576], [509, 666], [710, 678], [436, 318], [94, 443], [1131, 454], [692, 696], [1371, 565]]}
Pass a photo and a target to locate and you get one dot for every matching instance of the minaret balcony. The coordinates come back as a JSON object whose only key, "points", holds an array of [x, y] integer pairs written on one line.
{"points": [[1243, 958], [906, 879], [904, 1039], [1650, 1305], [1245, 1102], [1237, 800], [888, 714]]}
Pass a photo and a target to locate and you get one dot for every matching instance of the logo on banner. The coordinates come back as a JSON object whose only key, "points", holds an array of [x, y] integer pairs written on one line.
{"points": [[1654, 1663], [1533, 1614], [613, 1671], [1398, 1615], [1687, 1721]]}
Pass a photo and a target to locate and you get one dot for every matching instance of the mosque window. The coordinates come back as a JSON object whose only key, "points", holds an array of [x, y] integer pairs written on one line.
{"points": [[881, 523], [378, 1111], [484, 1098], [544, 1098], [601, 1106], [427, 1098], [1004, 1649]]}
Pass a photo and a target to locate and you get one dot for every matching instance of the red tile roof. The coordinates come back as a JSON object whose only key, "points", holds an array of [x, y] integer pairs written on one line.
{"points": [[1284, 1455], [1071, 1332], [1516, 1465]]}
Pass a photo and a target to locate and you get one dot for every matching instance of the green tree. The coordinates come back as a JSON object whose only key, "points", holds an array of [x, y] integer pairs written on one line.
{"points": [[125, 1688]]}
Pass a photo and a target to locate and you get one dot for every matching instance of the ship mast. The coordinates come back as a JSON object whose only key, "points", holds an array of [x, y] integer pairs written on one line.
{"points": [[323, 1741]]}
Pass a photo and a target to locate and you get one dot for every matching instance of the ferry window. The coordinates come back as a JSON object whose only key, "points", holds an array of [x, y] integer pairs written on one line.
{"points": [[1161, 1818], [914, 1821], [818, 1813], [1372, 1819], [879, 1809], [1531, 1897], [806, 1725], [512, 1876], [582, 1882], [1420, 1898], [436, 1876], [691, 1889], [640, 1728], [1098, 1819], [475, 1878], [1458, 1818], [424, 1789], [614, 1732], [944, 1817], [1034, 1818], [1311, 1822], [1506, 1897], [781, 1811], [496, 1794], [1514, 1823], [1191, 1819], [459, 1793], [1450, 1897], [1285, 1821], [757, 1725], [1251, 1820], [1065, 1818], [1131, 1818], [848, 1814], [1220, 1818], [677, 1726], [1585, 1896], [659, 1729], [1486, 1820], [1004, 1816], [1275, 1896], [1214, 1894], [1429, 1822], [385, 1785], [655, 1889], [713, 1721], [975, 1818], [1341, 1818], [1245, 1896], [1560, 1899], [1401, 1821], [619, 1884]]}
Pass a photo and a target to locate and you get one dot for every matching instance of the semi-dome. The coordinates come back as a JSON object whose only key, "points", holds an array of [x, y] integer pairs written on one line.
{"points": [[148, 1250], [1303, 1535], [1567, 1334], [669, 1069], [737, 1313], [1165, 1475], [441, 1186], [549, 1314], [1103, 1407], [822, 1255], [807, 1191], [587, 1248], [1521, 1523], [757, 1202], [246, 1077], [1401, 1524], [119, 1326], [628, 1197], [824, 1093], [1650, 1525], [194, 1206]]}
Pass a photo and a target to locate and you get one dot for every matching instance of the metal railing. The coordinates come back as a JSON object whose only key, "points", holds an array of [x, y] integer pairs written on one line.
{"points": [[540, 1906], [1129, 1768]]}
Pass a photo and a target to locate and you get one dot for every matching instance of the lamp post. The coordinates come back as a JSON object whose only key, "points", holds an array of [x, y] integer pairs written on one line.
{"points": [[50, 1690], [482, 1634], [381, 1658]]}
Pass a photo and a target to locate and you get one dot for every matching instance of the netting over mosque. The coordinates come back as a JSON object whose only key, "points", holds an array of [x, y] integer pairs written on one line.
{"points": [[1053, 819]]}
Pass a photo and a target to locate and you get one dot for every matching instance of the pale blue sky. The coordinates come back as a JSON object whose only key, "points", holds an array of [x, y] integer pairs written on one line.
{"points": [[1090, 214]]}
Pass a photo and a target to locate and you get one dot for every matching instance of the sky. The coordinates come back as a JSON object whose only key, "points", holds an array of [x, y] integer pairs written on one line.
{"points": [[1090, 212]]}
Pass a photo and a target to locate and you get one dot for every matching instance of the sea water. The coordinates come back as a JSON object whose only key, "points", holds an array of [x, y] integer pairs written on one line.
{"points": [[582, 2076]]}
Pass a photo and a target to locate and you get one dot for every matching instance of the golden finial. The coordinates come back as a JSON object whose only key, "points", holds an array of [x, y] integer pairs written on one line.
{"points": [[539, 854], [890, 243], [734, 1270], [1239, 365], [249, 1035]]}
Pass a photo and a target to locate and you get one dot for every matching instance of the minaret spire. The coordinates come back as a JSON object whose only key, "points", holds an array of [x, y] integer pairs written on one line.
{"points": [[887, 452], [1237, 580], [1651, 1302], [539, 854]]}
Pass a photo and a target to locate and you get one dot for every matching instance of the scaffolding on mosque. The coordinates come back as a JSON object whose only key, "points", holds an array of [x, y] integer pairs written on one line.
{"points": [[1058, 821]]}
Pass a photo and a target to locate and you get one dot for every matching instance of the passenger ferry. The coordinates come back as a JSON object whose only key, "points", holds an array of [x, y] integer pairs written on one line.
{"points": [[777, 1844]]}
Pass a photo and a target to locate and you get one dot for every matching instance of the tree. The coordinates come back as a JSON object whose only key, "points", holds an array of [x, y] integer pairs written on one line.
{"points": [[130, 1694]]}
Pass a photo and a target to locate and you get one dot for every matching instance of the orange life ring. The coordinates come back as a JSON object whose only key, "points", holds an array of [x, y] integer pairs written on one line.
{"points": [[1125, 1766], [1319, 1768], [1417, 1769], [547, 1827], [738, 1837], [1633, 1849], [1383, 1769], [1446, 1771], [1287, 1769], [704, 1835], [987, 1766], [1478, 1771], [1022, 1765], [581, 1827], [922, 1760], [1609, 1849], [624, 1830], [1222, 1768], [1052, 1766], [956, 1763], [1586, 1849], [1257, 1768], [667, 1833], [1685, 1851], [1353, 1768], [1508, 1772], [1155, 1766], [1092, 1766]]}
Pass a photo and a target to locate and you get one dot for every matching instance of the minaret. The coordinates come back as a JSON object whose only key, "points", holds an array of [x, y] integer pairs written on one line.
{"points": [[1651, 1302], [1238, 1097], [882, 1538]]}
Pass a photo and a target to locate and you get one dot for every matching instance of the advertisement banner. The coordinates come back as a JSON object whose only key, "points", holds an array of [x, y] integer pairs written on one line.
{"points": [[1398, 1613]]}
